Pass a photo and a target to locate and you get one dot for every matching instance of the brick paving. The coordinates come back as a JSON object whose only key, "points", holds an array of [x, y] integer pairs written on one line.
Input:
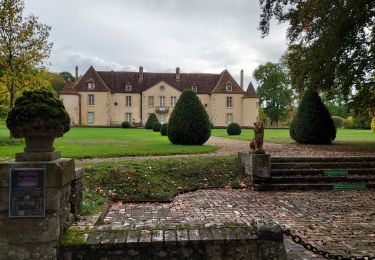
{"points": [[341, 222]]}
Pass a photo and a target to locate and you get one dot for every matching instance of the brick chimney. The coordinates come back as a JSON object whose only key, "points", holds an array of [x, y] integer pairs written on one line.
{"points": [[178, 76], [241, 80], [140, 79], [76, 72]]}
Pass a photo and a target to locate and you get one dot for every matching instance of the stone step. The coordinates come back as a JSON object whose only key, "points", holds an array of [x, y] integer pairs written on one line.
{"points": [[316, 179], [322, 165], [293, 172], [302, 186], [322, 159]]}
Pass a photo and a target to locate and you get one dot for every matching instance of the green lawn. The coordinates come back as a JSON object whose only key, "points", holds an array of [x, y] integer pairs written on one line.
{"points": [[155, 179], [282, 135], [105, 142]]}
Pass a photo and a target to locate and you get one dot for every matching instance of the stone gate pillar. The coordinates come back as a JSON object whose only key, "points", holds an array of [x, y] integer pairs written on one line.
{"points": [[37, 204]]}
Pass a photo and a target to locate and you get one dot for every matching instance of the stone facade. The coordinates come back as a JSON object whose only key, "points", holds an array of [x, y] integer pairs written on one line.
{"points": [[107, 98]]}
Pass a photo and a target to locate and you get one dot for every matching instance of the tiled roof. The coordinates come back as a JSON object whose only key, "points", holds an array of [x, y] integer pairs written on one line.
{"points": [[250, 92], [116, 81], [69, 89]]}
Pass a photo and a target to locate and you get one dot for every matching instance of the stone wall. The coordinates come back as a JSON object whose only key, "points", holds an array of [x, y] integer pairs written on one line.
{"points": [[260, 240], [38, 237]]}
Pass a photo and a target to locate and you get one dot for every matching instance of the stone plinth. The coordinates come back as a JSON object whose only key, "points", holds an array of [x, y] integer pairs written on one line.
{"points": [[38, 237], [256, 165]]}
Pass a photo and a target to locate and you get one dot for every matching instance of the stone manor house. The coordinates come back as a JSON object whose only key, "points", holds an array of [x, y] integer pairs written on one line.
{"points": [[107, 98]]}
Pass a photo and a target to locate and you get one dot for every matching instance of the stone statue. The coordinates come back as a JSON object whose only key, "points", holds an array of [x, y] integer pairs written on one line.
{"points": [[256, 145]]}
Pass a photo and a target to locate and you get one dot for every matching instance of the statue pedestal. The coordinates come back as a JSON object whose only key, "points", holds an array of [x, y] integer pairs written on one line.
{"points": [[256, 165], [49, 193]]}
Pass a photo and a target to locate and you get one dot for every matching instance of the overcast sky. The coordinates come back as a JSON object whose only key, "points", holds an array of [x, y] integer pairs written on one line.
{"points": [[196, 35]]}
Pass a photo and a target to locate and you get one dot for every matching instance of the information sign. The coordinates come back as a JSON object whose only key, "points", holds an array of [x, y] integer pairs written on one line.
{"points": [[27, 192]]}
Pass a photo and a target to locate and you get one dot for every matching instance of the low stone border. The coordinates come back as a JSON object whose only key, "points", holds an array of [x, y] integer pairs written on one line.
{"points": [[260, 240]]}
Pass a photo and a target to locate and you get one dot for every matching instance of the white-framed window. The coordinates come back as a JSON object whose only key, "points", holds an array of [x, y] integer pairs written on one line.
{"points": [[173, 101], [229, 118], [229, 102], [90, 117], [128, 117], [150, 101], [194, 88], [91, 85], [128, 101], [128, 87], [90, 100], [162, 101], [228, 86]]}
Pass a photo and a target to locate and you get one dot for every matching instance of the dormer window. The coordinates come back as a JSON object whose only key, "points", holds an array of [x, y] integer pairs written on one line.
{"points": [[91, 85], [194, 88], [228, 86], [128, 87]]}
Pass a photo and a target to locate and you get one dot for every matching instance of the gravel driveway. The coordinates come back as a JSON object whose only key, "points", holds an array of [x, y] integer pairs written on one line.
{"points": [[232, 147]]}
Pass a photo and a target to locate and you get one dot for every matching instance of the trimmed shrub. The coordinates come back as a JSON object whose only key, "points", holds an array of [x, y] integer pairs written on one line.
{"points": [[348, 123], [338, 121], [38, 111], [373, 124], [312, 123], [234, 129], [125, 124], [152, 119], [189, 123], [164, 129], [156, 127]]}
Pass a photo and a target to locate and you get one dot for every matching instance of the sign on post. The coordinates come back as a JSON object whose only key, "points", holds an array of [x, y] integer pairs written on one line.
{"points": [[27, 192]]}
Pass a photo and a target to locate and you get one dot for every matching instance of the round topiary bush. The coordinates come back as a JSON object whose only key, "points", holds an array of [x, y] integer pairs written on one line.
{"points": [[156, 127], [125, 124], [39, 117], [164, 129], [234, 129], [312, 123], [338, 121], [189, 123], [152, 119]]}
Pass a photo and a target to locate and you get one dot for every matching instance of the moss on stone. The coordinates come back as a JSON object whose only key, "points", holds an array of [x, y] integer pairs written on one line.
{"points": [[38, 112]]}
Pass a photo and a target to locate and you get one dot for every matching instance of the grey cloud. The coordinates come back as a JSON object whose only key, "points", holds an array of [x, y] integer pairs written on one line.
{"points": [[198, 36]]}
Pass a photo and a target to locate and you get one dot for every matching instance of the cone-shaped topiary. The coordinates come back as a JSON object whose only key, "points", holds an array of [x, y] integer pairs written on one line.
{"points": [[312, 123], [156, 127], [234, 129], [164, 129], [189, 123], [152, 119]]}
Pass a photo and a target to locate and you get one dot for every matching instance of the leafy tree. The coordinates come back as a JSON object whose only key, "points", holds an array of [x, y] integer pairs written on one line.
{"points": [[24, 47], [312, 123], [332, 43], [67, 76], [152, 119], [189, 122], [274, 90]]}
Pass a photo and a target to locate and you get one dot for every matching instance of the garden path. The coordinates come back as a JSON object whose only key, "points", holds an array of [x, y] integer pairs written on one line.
{"points": [[340, 222]]}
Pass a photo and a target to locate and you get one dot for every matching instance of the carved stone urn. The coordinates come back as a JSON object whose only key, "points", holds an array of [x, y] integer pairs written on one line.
{"points": [[39, 117]]}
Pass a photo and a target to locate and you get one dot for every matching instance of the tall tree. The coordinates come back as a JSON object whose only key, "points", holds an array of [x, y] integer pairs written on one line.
{"points": [[332, 43], [24, 48], [274, 90]]}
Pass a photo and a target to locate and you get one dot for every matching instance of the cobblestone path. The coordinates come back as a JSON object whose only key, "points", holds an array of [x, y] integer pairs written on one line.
{"points": [[337, 221]]}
